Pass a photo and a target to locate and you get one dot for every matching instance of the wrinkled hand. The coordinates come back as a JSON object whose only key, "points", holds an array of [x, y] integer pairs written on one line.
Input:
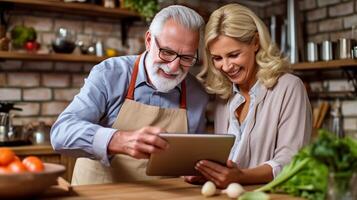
{"points": [[196, 180], [138, 144], [220, 175]]}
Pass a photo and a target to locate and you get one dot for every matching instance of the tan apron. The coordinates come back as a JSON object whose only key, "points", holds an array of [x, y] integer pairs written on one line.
{"points": [[132, 116]]}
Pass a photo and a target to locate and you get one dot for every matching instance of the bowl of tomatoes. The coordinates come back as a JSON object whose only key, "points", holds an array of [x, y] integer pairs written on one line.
{"points": [[25, 178]]}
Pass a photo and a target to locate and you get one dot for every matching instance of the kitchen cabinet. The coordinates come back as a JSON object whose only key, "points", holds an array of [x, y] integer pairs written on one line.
{"points": [[47, 154]]}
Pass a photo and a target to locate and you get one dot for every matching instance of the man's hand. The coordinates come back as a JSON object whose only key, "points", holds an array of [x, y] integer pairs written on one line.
{"points": [[221, 175], [138, 144]]}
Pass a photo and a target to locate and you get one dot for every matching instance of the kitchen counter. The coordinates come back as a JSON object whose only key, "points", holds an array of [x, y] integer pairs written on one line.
{"points": [[46, 153], [173, 189], [34, 150]]}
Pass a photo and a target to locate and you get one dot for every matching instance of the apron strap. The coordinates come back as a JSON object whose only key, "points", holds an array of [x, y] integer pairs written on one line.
{"points": [[130, 94]]}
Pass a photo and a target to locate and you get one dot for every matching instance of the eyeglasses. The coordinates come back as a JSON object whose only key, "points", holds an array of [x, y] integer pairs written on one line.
{"points": [[168, 55]]}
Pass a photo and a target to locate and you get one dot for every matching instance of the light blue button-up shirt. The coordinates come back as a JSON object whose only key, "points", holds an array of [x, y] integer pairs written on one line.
{"points": [[235, 128], [84, 127]]}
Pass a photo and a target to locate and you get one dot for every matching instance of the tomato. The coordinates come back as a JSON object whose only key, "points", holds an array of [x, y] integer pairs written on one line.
{"points": [[31, 46], [33, 164], [6, 156], [17, 167]]}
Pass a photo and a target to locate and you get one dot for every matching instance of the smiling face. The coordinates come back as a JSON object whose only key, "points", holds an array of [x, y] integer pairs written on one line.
{"points": [[235, 59], [174, 37]]}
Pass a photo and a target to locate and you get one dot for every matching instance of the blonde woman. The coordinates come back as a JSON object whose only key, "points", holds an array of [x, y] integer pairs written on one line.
{"points": [[264, 106]]}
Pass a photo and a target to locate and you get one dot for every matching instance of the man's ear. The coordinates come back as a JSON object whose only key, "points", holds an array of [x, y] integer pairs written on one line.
{"points": [[147, 40]]}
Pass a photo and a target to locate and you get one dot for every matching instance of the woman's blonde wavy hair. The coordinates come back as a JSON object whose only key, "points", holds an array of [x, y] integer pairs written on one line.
{"points": [[241, 23]]}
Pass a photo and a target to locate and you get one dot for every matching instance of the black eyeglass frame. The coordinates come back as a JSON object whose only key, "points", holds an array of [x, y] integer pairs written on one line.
{"points": [[171, 52]]}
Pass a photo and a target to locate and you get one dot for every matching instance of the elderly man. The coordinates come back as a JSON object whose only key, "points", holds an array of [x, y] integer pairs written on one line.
{"points": [[113, 123]]}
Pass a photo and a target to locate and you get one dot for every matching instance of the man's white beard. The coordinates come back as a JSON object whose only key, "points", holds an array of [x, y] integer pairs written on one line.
{"points": [[163, 84]]}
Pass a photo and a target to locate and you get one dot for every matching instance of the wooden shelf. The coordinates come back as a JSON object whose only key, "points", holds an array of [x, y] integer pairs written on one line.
{"points": [[71, 8], [6, 55], [333, 64]]}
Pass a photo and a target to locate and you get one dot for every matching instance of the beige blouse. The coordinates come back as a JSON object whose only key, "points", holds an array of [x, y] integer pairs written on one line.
{"points": [[280, 124]]}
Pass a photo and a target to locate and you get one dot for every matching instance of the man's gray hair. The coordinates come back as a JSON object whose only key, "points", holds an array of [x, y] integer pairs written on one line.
{"points": [[181, 14]]}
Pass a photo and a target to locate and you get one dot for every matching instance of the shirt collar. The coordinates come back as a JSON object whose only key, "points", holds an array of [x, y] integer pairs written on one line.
{"points": [[142, 76], [254, 91]]}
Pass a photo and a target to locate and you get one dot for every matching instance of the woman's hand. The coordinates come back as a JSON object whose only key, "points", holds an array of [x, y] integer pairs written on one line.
{"points": [[196, 180], [220, 175]]}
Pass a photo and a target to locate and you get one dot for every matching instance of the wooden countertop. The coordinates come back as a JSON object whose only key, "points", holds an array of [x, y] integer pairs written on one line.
{"points": [[33, 150], [172, 189]]}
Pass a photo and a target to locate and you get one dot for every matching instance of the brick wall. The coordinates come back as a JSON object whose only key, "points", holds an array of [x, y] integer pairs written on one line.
{"points": [[43, 89]]}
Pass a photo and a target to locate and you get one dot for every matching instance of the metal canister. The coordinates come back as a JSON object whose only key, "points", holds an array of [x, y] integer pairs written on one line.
{"points": [[326, 50], [312, 54], [344, 48]]}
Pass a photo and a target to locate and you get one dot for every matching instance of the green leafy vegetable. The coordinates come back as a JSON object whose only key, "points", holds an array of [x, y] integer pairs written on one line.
{"points": [[307, 174], [146, 8], [254, 196], [21, 34]]}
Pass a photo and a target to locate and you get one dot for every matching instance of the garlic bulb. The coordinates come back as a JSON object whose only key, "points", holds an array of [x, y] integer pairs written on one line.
{"points": [[208, 189], [234, 190]]}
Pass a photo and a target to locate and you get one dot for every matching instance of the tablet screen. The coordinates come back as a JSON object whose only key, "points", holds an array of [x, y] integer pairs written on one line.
{"points": [[186, 150]]}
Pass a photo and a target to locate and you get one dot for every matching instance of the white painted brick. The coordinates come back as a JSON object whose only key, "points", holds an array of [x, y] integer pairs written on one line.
{"points": [[2, 79], [68, 67], [316, 14], [47, 39], [10, 65], [98, 28], [53, 108], [87, 67], [55, 80], [23, 79], [7, 94], [39, 23], [38, 65], [341, 34], [73, 25], [340, 85], [65, 94], [307, 4], [330, 25], [78, 80], [38, 94], [350, 123], [28, 109], [316, 86], [341, 9], [115, 43], [322, 3], [350, 21], [349, 108]]}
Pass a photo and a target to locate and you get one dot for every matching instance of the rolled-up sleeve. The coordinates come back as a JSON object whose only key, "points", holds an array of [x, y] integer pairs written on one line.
{"points": [[77, 131]]}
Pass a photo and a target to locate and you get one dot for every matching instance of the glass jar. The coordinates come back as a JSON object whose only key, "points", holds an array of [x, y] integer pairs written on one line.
{"points": [[342, 186]]}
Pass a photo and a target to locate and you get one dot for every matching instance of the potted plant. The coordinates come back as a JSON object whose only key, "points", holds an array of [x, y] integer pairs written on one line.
{"points": [[146, 8]]}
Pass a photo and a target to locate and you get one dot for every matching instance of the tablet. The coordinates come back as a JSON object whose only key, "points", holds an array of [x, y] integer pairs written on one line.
{"points": [[186, 150]]}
